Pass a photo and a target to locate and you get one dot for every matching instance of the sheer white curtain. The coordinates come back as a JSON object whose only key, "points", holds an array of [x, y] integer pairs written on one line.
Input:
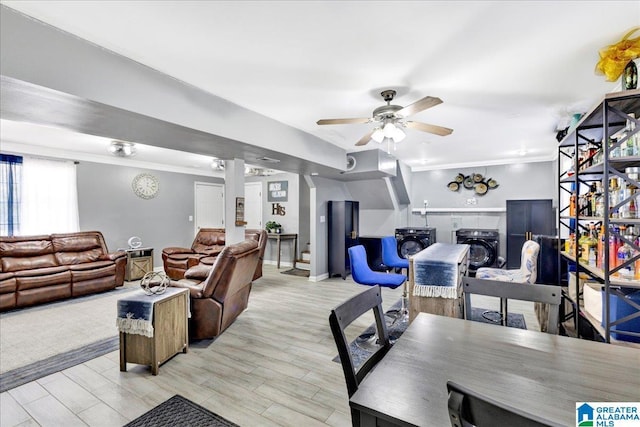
{"points": [[49, 197]]}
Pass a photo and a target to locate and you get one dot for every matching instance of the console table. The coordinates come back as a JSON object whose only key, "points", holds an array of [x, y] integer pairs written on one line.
{"points": [[279, 237], [139, 262], [169, 328]]}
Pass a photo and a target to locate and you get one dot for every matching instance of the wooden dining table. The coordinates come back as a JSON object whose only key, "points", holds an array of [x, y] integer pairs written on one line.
{"points": [[531, 371]]}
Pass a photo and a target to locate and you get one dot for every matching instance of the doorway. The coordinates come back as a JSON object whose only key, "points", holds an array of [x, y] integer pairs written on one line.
{"points": [[253, 205], [209, 205]]}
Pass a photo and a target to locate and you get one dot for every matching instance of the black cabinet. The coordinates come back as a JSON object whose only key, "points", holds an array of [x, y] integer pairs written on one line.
{"points": [[343, 225], [524, 219]]}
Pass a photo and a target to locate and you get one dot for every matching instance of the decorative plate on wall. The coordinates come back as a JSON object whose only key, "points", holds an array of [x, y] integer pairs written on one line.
{"points": [[475, 182]]}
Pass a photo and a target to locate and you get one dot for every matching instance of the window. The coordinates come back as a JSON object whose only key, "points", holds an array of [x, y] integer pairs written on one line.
{"points": [[37, 196], [10, 184]]}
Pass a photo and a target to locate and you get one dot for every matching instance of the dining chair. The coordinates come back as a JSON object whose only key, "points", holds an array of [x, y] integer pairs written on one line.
{"points": [[468, 408], [526, 274], [363, 275], [340, 318], [547, 294]]}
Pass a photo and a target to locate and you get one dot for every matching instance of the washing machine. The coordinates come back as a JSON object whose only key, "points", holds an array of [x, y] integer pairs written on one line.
{"points": [[485, 247], [412, 240]]}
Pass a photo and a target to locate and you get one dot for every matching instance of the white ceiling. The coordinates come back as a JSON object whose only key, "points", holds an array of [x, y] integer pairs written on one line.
{"points": [[508, 72]]}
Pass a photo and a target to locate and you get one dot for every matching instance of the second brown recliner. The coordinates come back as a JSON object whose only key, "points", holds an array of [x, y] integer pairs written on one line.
{"points": [[220, 298]]}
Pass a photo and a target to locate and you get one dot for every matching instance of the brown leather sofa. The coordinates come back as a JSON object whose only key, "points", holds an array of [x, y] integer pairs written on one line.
{"points": [[37, 269], [218, 300], [206, 246]]}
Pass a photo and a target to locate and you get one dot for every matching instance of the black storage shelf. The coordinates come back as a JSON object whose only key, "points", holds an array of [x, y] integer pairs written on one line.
{"points": [[604, 120]]}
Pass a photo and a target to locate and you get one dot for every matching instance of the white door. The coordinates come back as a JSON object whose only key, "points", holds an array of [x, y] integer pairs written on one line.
{"points": [[209, 202], [253, 204]]}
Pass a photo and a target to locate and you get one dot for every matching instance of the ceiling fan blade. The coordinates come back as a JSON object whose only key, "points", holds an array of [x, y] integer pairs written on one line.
{"points": [[438, 130], [365, 139], [341, 121], [420, 105]]}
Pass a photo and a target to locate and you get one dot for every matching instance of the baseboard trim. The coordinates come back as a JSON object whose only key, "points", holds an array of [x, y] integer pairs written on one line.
{"points": [[319, 278]]}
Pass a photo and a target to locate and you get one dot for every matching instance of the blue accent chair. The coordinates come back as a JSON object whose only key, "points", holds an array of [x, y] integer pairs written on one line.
{"points": [[363, 275], [390, 256]]}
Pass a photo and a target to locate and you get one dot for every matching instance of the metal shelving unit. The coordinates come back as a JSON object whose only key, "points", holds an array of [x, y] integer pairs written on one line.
{"points": [[596, 128]]}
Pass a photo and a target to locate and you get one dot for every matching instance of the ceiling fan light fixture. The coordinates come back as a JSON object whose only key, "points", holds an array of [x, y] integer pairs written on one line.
{"points": [[377, 135], [398, 135], [389, 129]]}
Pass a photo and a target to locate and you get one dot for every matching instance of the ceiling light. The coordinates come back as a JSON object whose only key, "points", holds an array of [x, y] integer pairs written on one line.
{"points": [[217, 165], [122, 149], [377, 135], [389, 130], [398, 135]]}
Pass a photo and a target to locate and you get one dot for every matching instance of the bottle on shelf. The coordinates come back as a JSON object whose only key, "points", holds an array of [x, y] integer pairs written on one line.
{"points": [[572, 204], [631, 147], [636, 264], [592, 257], [589, 244], [614, 194], [600, 248], [614, 245], [582, 254], [625, 252]]}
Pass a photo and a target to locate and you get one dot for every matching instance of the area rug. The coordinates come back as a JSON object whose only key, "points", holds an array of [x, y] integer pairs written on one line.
{"points": [[360, 348], [514, 320], [296, 272], [178, 411], [57, 363]]}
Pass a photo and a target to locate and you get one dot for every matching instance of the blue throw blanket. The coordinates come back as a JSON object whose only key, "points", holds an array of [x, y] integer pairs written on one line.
{"points": [[435, 270], [135, 312]]}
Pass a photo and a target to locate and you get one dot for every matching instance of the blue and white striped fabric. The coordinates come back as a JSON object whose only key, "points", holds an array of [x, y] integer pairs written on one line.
{"points": [[436, 272]]}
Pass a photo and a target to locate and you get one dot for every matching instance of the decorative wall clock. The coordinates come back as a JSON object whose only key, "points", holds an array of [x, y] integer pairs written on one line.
{"points": [[145, 186]]}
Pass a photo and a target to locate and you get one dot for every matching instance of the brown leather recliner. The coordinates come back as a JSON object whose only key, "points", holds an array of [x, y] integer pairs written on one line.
{"points": [[218, 300], [205, 247]]}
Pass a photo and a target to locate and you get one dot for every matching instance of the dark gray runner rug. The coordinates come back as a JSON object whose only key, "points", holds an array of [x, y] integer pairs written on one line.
{"points": [[59, 362], [179, 411]]}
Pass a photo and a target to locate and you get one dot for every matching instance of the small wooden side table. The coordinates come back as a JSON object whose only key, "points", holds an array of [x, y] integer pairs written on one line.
{"points": [[139, 262], [170, 334], [279, 237]]}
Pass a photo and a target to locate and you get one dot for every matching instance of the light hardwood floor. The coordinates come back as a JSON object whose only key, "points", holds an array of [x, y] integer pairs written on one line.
{"points": [[272, 367]]}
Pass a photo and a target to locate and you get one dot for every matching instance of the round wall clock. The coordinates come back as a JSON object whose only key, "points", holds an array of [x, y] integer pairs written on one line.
{"points": [[145, 186]]}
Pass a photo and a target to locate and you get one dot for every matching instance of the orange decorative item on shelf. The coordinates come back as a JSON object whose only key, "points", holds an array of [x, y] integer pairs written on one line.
{"points": [[614, 58]]}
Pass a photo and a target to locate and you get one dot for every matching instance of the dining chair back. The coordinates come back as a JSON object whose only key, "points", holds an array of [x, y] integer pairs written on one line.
{"points": [[345, 314], [547, 294], [468, 408]]}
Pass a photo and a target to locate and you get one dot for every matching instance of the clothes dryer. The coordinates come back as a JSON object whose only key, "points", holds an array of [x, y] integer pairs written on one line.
{"points": [[485, 247], [412, 240]]}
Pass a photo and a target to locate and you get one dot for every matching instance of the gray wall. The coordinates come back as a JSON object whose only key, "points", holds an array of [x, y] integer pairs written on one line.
{"points": [[304, 216], [322, 191], [516, 181], [106, 203]]}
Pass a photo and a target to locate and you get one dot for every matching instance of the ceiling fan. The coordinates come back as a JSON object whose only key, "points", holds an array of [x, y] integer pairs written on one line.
{"points": [[390, 120]]}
